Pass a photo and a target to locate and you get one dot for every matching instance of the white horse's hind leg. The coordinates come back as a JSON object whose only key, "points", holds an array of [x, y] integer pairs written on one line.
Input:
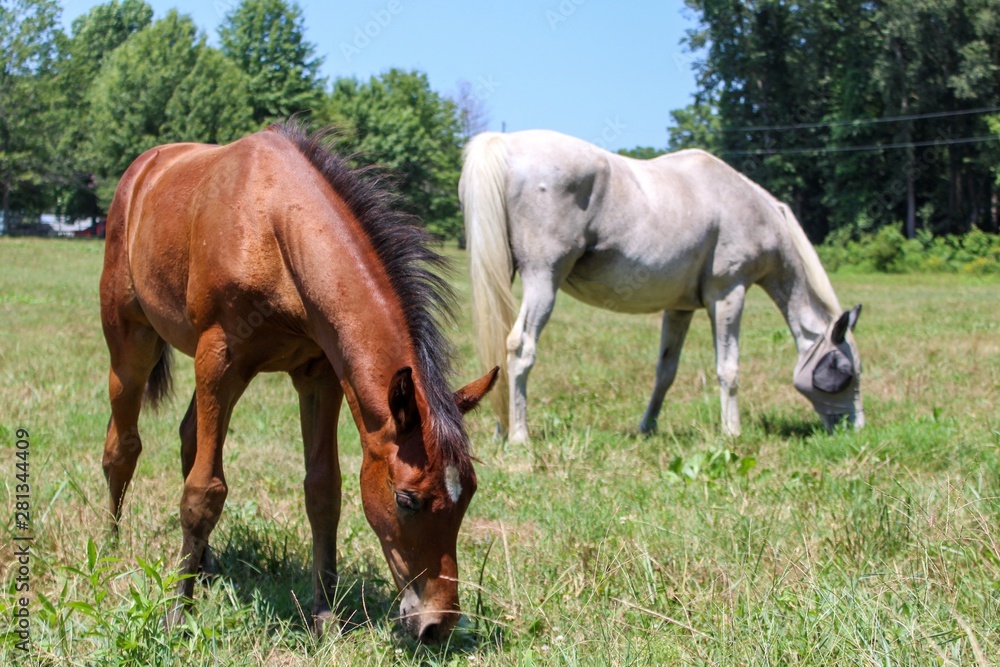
{"points": [[725, 314], [536, 306], [675, 328]]}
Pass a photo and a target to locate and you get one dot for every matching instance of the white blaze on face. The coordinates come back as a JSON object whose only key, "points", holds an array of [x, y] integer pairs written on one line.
{"points": [[453, 483]]}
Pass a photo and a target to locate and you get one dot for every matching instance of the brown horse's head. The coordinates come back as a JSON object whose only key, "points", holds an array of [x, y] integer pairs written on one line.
{"points": [[829, 373], [415, 489]]}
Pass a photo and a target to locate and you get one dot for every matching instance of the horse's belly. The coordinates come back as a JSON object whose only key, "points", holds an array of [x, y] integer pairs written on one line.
{"points": [[634, 288], [168, 316], [159, 272]]}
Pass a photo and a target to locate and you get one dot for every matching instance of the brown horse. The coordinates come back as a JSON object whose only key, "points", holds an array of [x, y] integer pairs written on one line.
{"points": [[269, 254]]}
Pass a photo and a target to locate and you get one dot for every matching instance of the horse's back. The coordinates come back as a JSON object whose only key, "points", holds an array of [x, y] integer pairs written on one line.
{"points": [[136, 198], [701, 227], [643, 235], [196, 224], [550, 187]]}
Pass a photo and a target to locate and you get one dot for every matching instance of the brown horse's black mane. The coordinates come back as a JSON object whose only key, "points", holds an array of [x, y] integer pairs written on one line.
{"points": [[413, 269]]}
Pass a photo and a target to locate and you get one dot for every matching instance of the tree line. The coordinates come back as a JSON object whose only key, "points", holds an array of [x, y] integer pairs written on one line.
{"points": [[860, 115], [77, 108]]}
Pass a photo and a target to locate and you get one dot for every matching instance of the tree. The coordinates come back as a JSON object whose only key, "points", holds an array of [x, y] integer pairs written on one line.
{"points": [[754, 58], [94, 36], [695, 126], [856, 114], [266, 40], [211, 104], [473, 117], [129, 97], [395, 120], [28, 39], [642, 152]]}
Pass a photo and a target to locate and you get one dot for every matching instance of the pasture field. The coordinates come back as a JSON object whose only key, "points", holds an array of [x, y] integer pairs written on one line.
{"points": [[591, 545]]}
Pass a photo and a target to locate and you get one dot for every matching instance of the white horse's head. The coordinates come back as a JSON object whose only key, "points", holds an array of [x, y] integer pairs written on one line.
{"points": [[829, 373]]}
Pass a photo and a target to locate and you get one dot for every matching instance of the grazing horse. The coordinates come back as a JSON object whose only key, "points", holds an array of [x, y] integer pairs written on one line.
{"points": [[672, 234], [269, 254]]}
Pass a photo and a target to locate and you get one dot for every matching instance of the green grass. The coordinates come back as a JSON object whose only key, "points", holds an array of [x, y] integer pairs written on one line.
{"points": [[592, 545]]}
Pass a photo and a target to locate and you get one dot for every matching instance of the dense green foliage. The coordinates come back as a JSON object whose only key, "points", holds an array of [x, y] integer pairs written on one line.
{"points": [[28, 94], [641, 152], [212, 102], [858, 116], [130, 96], [888, 251], [95, 35], [265, 38], [787, 91], [76, 109], [397, 121], [588, 546]]}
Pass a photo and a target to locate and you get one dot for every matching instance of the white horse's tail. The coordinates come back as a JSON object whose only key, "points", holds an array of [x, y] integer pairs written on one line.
{"points": [[491, 265], [816, 278]]}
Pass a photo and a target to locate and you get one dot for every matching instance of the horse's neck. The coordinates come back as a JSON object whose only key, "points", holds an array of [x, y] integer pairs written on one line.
{"points": [[806, 315], [353, 314]]}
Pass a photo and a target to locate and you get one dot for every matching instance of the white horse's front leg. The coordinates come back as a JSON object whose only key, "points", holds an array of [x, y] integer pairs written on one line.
{"points": [[725, 315], [675, 328], [536, 306]]}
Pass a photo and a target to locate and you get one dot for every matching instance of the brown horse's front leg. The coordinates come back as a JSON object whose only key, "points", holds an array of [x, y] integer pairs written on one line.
{"points": [[320, 398], [219, 386]]}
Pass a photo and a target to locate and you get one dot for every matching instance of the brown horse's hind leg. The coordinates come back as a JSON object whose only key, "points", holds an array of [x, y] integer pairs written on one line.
{"points": [[219, 385], [189, 436], [320, 398], [135, 349]]}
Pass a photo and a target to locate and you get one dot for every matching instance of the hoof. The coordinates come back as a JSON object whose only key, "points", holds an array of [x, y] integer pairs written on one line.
{"points": [[518, 437], [325, 622], [207, 570], [500, 433]]}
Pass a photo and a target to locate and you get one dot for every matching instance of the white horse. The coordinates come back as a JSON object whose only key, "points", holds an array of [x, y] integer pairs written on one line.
{"points": [[675, 233]]}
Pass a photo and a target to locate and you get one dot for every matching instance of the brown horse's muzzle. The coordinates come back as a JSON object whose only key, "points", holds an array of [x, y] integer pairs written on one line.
{"points": [[432, 616]]}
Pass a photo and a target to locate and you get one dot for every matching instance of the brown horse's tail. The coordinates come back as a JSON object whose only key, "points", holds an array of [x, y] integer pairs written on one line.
{"points": [[160, 383]]}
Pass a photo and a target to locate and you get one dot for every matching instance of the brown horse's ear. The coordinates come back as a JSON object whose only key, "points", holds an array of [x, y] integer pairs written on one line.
{"points": [[468, 397], [403, 400]]}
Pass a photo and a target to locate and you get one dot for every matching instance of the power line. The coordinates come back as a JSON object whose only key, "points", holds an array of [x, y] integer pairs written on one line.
{"points": [[869, 147], [857, 122]]}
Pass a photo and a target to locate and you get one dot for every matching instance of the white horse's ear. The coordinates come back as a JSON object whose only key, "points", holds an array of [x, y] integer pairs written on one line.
{"points": [[839, 329], [468, 397], [855, 313], [846, 321]]}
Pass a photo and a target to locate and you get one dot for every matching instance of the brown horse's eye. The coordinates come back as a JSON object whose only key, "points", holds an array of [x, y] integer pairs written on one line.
{"points": [[407, 501]]}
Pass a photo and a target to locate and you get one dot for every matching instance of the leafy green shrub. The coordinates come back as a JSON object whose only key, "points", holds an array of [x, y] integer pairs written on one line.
{"points": [[888, 251], [835, 253], [884, 250], [711, 464]]}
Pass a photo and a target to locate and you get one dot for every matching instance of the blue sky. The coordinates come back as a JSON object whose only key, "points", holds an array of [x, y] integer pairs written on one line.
{"points": [[608, 72]]}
